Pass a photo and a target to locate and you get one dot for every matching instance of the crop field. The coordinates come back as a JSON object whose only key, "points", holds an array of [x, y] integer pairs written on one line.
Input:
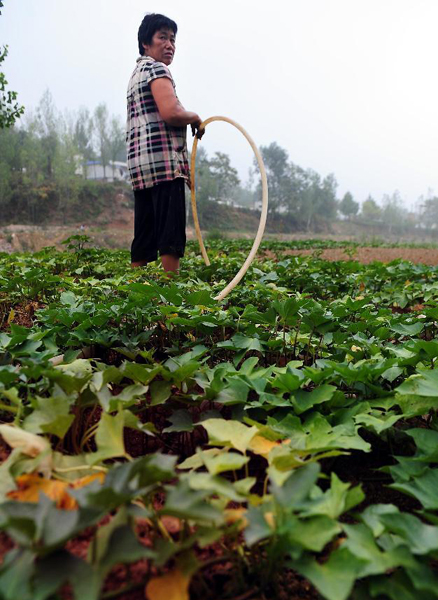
{"points": [[156, 444]]}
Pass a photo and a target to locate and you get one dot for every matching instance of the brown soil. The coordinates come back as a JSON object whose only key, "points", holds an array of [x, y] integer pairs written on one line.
{"points": [[427, 256]]}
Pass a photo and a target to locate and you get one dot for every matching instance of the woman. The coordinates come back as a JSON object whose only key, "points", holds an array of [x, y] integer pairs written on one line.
{"points": [[157, 148]]}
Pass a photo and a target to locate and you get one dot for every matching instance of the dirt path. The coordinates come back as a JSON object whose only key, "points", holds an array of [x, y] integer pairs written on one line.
{"points": [[118, 234], [427, 256]]}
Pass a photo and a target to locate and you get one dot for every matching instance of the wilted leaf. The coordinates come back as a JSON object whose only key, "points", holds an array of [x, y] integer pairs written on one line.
{"points": [[28, 443], [262, 446], [172, 586], [30, 486]]}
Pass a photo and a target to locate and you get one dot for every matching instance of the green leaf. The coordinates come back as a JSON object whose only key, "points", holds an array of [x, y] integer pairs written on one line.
{"points": [[397, 587], [225, 461], [51, 415], [371, 517], [198, 460], [302, 400], [181, 421], [313, 533], [334, 501], [288, 379], [360, 542], [58, 568], [143, 374], [297, 486], [102, 378], [406, 329], [185, 503], [420, 538], [322, 436], [335, 578], [128, 396], [426, 441], [214, 485], [423, 488], [99, 545], [123, 547], [235, 391], [229, 433], [423, 578], [258, 527], [68, 299], [377, 421], [109, 438], [203, 298], [421, 384], [160, 392], [415, 406], [15, 575], [242, 342], [392, 373]]}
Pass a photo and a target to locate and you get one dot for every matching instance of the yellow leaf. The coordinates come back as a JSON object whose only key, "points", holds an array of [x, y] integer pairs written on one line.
{"points": [[30, 486], [11, 316], [270, 519], [262, 446], [236, 515], [83, 481], [172, 586]]}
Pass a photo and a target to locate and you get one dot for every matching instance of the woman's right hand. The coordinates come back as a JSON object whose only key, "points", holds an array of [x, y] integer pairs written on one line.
{"points": [[196, 127]]}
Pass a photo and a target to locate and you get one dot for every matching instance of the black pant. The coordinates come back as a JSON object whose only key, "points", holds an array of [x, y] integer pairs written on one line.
{"points": [[159, 221]]}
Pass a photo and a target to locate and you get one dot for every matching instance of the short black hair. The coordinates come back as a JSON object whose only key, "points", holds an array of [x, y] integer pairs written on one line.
{"points": [[152, 23]]}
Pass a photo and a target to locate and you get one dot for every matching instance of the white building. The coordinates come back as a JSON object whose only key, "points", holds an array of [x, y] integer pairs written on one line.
{"points": [[114, 171]]}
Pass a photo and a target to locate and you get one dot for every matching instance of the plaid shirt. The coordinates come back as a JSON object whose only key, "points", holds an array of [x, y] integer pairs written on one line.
{"points": [[156, 151]]}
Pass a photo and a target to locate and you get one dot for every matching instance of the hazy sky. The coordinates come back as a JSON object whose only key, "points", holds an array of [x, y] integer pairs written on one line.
{"points": [[346, 86]]}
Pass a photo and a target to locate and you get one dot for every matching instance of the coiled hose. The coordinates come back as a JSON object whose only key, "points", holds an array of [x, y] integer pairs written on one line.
{"points": [[227, 289]]}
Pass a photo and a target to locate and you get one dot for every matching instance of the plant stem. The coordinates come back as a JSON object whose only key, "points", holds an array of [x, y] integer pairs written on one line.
{"points": [[128, 588]]}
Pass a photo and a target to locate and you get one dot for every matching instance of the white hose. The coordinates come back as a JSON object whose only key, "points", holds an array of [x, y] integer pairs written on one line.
{"points": [[227, 289]]}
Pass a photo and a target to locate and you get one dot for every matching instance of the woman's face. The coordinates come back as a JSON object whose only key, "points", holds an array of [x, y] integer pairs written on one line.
{"points": [[162, 46]]}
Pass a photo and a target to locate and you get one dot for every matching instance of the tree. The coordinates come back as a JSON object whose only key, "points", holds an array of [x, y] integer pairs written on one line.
{"points": [[371, 211], [83, 137], [10, 110], [393, 213], [65, 166], [47, 126], [227, 179], [309, 197], [102, 135], [206, 184], [348, 206], [278, 172], [430, 212], [329, 202], [316, 198], [117, 143]]}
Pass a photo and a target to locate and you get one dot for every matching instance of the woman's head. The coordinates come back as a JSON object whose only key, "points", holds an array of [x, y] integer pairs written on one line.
{"points": [[152, 24]]}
